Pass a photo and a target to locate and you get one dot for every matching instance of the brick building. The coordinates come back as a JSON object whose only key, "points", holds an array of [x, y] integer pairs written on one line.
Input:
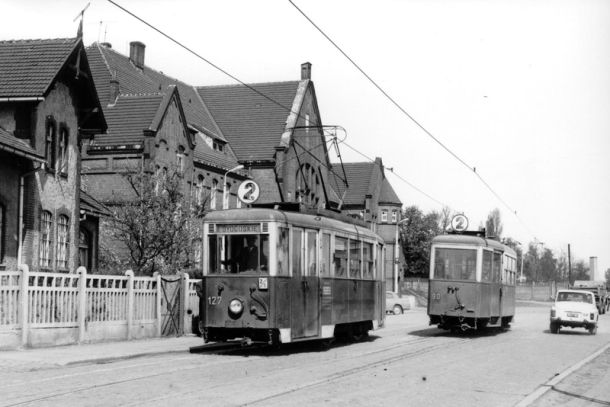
{"points": [[369, 196], [276, 132], [48, 105]]}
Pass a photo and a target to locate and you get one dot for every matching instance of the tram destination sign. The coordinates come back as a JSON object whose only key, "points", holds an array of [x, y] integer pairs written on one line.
{"points": [[238, 228]]}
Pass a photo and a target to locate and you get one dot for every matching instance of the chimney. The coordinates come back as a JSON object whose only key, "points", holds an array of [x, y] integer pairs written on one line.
{"points": [[114, 90], [593, 269], [136, 53], [106, 44], [305, 71]]}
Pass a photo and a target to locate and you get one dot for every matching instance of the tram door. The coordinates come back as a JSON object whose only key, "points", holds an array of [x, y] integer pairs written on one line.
{"points": [[305, 298]]}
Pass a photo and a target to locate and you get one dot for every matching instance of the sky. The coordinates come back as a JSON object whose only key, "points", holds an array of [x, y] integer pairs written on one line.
{"points": [[517, 89]]}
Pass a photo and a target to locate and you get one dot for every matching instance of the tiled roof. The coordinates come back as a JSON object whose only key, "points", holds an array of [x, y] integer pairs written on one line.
{"points": [[251, 123], [28, 67], [387, 194], [91, 205], [205, 154], [128, 118], [105, 61], [9, 142], [358, 179]]}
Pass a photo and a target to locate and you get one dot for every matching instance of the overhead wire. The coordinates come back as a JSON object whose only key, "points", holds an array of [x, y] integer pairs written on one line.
{"points": [[407, 114], [215, 66]]}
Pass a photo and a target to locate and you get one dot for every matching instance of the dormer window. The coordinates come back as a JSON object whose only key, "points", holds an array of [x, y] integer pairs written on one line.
{"points": [[384, 216], [394, 216], [218, 146]]}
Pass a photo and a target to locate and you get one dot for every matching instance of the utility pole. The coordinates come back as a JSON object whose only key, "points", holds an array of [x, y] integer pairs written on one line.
{"points": [[569, 267]]}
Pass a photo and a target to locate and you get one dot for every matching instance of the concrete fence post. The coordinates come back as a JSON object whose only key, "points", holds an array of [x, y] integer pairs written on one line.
{"points": [[130, 302], [24, 300], [184, 299], [82, 302], [157, 277]]}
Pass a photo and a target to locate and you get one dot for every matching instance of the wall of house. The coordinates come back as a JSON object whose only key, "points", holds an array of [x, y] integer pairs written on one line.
{"points": [[55, 192]]}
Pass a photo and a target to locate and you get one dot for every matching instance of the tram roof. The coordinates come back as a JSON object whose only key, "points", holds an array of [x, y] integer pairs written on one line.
{"points": [[315, 221], [472, 240]]}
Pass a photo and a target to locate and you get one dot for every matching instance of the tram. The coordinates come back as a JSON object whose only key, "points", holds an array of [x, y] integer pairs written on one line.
{"points": [[472, 282], [279, 276]]}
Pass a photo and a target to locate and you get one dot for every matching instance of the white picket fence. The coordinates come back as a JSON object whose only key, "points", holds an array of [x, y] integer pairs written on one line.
{"points": [[44, 309]]}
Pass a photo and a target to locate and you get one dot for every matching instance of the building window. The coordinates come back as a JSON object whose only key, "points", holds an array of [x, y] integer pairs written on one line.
{"points": [[218, 146], [157, 179], [63, 241], [62, 152], [46, 238], [384, 216], [199, 190], [50, 142], [84, 249], [180, 159], [394, 216], [213, 194], [307, 123]]}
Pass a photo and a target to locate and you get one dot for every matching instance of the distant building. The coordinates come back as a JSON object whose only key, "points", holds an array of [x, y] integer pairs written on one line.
{"points": [[48, 106]]}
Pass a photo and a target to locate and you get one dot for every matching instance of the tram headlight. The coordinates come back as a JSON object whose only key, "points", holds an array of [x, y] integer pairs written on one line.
{"points": [[236, 307]]}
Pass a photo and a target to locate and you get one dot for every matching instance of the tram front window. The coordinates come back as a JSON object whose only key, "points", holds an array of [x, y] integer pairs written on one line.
{"points": [[455, 264], [232, 254]]}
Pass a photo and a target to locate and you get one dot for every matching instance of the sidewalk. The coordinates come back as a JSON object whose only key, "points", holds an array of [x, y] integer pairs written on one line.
{"points": [[95, 353]]}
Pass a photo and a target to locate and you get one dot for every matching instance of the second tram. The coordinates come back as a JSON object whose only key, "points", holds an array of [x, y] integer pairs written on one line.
{"points": [[278, 276], [472, 282]]}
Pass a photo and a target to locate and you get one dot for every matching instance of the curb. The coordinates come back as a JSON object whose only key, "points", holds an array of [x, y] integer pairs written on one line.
{"points": [[540, 391]]}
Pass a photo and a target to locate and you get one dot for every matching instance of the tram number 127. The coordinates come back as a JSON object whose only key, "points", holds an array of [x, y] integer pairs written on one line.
{"points": [[214, 300]]}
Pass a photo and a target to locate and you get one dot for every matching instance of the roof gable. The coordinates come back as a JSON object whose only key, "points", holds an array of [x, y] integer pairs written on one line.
{"points": [[105, 62], [252, 123], [29, 67]]}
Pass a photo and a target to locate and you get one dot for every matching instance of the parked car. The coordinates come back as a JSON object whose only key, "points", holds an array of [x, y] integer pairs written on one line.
{"points": [[396, 303], [576, 309]]}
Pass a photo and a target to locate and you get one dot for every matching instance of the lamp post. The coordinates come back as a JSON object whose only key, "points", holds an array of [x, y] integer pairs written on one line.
{"points": [[225, 202], [396, 254]]}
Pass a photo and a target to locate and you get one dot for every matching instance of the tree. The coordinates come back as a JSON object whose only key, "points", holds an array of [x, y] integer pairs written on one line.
{"points": [[493, 225], [580, 271], [416, 237], [156, 227]]}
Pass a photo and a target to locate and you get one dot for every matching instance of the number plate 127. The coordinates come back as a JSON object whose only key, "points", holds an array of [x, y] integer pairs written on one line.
{"points": [[214, 300]]}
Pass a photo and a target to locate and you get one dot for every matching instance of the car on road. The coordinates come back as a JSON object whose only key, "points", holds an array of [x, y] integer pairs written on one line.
{"points": [[396, 303], [574, 309]]}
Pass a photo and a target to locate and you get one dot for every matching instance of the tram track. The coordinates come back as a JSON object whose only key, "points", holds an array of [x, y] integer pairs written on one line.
{"points": [[395, 352]]}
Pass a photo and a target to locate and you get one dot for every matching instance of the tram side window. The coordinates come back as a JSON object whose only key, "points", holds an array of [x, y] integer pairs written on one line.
{"points": [[368, 265], [354, 258], [455, 264], [496, 267], [297, 252], [312, 252], [283, 266], [325, 260], [487, 266], [340, 257]]}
